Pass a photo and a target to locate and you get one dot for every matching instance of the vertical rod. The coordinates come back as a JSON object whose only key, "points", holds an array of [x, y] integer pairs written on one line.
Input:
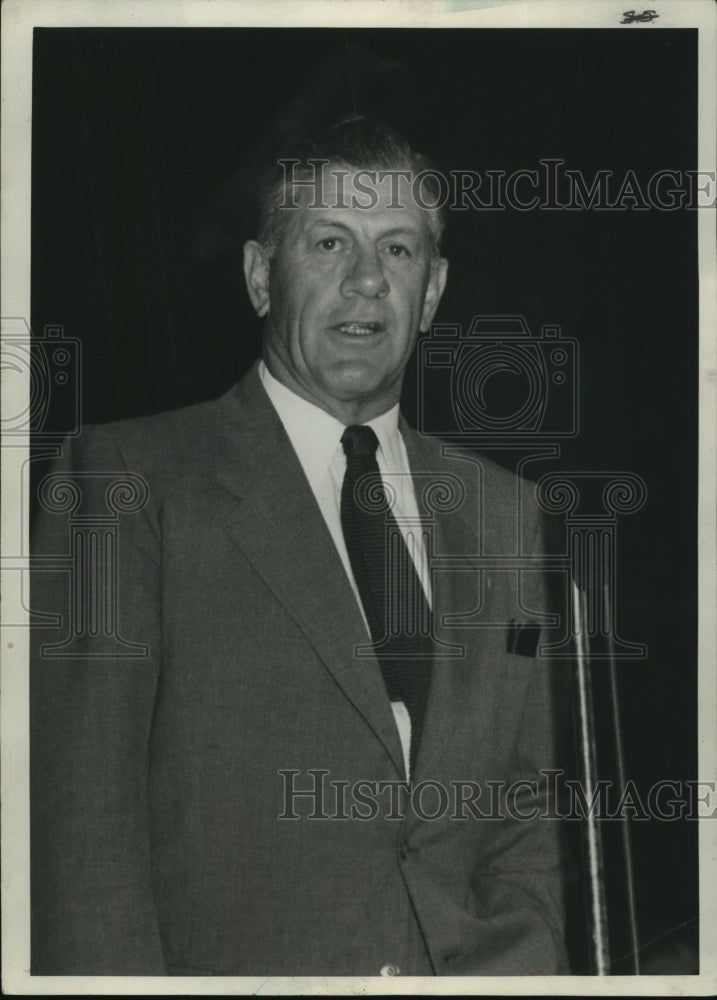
{"points": [[587, 750], [619, 754]]}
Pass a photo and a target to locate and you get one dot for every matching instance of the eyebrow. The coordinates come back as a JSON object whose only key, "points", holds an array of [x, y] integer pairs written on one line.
{"points": [[394, 231]]}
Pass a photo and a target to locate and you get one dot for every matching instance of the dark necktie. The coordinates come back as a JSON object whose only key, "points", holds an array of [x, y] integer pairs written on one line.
{"points": [[394, 603]]}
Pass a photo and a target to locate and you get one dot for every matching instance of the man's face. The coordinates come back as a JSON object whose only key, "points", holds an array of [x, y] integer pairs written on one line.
{"points": [[346, 295]]}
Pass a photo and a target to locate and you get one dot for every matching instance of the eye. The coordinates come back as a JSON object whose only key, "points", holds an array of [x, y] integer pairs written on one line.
{"points": [[328, 243], [398, 250]]}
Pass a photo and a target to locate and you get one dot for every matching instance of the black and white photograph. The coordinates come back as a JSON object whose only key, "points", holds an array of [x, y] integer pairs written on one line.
{"points": [[358, 444]]}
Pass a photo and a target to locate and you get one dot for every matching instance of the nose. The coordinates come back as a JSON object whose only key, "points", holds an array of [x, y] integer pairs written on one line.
{"points": [[365, 276]]}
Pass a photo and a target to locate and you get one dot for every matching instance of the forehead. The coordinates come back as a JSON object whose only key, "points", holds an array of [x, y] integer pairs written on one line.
{"points": [[361, 199]]}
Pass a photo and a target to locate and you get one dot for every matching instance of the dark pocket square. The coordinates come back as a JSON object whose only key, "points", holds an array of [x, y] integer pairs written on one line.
{"points": [[523, 638]]}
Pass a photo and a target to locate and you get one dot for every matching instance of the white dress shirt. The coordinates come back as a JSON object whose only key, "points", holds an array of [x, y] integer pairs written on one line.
{"points": [[316, 438]]}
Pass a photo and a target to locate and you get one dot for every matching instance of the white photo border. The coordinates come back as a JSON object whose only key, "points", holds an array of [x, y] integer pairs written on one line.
{"points": [[19, 17]]}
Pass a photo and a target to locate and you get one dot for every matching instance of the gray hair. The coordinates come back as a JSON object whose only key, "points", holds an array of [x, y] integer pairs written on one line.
{"points": [[359, 143]]}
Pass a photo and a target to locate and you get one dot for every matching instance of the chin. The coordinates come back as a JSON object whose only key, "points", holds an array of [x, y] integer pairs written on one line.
{"points": [[358, 386], [354, 378]]}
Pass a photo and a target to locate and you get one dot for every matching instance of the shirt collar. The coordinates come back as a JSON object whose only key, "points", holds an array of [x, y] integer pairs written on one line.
{"points": [[315, 434]]}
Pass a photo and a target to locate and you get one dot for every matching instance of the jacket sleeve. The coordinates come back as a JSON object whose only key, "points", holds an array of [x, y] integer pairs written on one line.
{"points": [[93, 679]]}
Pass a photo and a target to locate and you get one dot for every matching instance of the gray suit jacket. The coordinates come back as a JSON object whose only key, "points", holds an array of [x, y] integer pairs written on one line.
{"points": [[166, 838]]}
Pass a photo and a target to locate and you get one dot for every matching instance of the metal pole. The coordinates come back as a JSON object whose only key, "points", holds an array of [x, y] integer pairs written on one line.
{"points": [[588, 767], [620, 761]]}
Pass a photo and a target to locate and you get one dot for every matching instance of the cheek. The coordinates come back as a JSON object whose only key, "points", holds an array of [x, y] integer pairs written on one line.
{"points": [[410, 298], [288, 302], [314, 289]]}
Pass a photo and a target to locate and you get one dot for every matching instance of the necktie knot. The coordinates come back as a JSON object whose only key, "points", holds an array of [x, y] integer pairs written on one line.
{"points": [[359, 442]]}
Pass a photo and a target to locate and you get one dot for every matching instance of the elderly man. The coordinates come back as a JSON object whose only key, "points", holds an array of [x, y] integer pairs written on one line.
{"points": [[278, 758]]}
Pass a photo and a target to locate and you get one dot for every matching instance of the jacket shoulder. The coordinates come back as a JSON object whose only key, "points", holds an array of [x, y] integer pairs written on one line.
{"points": [[174, 439], [443, 455]]}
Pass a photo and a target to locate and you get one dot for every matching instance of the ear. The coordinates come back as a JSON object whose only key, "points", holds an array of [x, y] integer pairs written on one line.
{"points": [[434, 291], [256, 275]]}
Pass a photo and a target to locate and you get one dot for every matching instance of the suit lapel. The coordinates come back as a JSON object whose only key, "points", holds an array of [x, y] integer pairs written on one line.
{"points": [[275, 521], [456, 678]]}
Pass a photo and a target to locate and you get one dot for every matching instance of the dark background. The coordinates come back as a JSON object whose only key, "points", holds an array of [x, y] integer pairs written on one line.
{"points": [[146, 147]]}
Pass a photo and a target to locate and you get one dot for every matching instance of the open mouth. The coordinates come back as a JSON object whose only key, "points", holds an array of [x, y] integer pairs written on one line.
{"points": [[359, 329]]}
